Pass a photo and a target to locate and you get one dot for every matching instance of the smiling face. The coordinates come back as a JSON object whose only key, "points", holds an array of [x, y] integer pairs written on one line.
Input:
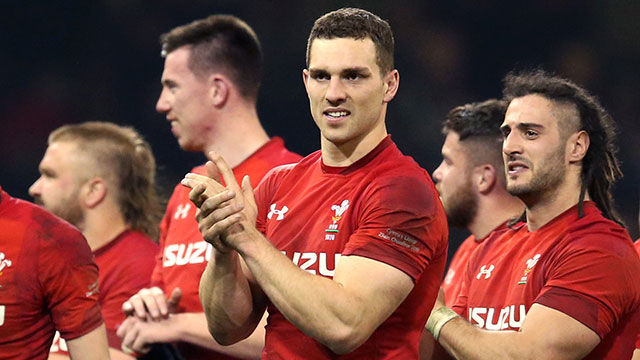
{"points": [[347, 93], [534, 149], [453, 182], [58, 187], [186, 102]]}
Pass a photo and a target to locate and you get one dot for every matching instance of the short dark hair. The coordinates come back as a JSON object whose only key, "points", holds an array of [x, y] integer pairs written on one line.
{"points": [[600, 167], [125, 159], [478, 124], [220, 43], [357, 24]]}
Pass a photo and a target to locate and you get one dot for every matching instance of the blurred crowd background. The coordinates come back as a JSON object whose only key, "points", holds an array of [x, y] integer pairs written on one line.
{"points": [[74, 61]]}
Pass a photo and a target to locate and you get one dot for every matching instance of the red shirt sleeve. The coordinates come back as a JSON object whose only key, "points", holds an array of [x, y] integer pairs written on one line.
{"points": [[401, 224], [590, 278], [69, 276]]}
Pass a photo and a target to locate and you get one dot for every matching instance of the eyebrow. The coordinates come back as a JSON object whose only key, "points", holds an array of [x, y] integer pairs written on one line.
{"points": [[350, 70], [522, 126]]}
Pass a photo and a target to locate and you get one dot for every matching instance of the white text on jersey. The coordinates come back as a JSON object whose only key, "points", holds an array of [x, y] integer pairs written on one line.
{"points": [[182, 254], [306, 260], [507, 318]]}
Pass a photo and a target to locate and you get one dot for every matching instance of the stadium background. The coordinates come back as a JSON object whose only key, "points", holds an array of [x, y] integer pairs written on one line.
{"points": [[73, 61]]}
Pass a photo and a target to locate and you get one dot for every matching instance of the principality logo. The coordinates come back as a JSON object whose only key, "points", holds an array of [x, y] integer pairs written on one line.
{"points": [[4, 263], [278, 212], [485, 271], [530, 264], [338, 210]]}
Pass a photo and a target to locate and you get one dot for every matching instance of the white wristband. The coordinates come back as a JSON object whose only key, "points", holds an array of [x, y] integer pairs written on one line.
{"points": [[437, 320]]}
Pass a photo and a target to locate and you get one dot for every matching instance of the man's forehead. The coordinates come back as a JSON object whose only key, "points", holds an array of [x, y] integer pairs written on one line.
{"points": [[530, 108], [342, 52]]}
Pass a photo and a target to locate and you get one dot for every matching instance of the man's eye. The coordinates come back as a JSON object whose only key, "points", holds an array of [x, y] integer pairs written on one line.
{"points": [[530, 133]]}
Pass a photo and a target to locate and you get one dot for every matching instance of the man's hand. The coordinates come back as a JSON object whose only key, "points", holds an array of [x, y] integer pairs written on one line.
{"points": [[138, 335], [221, 211], [151, 304]]}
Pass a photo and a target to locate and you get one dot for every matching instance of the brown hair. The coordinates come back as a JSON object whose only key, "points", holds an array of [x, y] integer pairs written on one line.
{"points": [[220, 43], [357, 24], [124, 159], [478, 125]]}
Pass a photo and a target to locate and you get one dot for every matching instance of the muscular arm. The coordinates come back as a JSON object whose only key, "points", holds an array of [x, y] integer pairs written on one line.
{"points": [[340, 313], [92, 345], [545, 334], [233, 304]]}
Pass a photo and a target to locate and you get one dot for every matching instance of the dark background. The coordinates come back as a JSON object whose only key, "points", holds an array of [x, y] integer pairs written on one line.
{"points": [[72, 61]]}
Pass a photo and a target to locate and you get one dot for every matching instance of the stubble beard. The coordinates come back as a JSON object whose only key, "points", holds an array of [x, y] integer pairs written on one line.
{"points": [[551, 175], [461, 207]]}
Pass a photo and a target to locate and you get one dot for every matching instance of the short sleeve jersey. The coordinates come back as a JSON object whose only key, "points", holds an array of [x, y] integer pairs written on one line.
{"points": [[453, 280], [125, 265], [383, 207], [184, 253], [48, 281], [583, 267]]}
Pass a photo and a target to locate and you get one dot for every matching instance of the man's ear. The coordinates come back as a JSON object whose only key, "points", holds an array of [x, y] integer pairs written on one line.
{"points": [[220, 86], [305, 78], [93, 192], [484, 178], [391, 83], [578, 145]]}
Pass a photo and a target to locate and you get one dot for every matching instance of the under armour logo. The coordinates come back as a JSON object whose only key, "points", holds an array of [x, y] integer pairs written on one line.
{"points": [[279, 212], [484, 271], [182, 211], [4, 262]]}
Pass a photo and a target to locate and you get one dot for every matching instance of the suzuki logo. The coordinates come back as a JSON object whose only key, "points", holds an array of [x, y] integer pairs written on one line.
{"points": [[484, 271], [278, 212]]}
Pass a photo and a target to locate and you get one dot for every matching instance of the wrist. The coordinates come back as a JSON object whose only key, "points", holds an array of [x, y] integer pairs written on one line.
{"points": [[438, 319]]}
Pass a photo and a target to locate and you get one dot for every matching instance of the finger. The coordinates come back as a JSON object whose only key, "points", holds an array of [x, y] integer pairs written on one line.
{"points": [[212, 171], [129, 336], [249, 199], [220, 201], [196, 195], [124, 327], [216, 219], [224, 169], [155, 302], [127, 308], [139, 309], [174, 299], [213, 233]]}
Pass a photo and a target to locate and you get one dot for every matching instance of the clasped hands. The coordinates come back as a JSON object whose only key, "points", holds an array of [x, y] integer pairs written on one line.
{"points": [[223, 213]]}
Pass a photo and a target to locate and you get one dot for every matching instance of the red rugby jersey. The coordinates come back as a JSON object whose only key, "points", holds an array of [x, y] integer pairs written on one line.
{"points": [[184, 253], [586, 268], [48, 281], [453, 280], [382, 207], [125, 265]]}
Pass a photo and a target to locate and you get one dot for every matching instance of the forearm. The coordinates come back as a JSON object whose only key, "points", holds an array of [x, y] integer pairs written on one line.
{"points": [[227, 299], [320, 307], [192, 328]]}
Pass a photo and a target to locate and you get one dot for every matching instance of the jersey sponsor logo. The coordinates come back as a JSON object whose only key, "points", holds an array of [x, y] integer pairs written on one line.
{"points": [[309, 261], [509, 317], [530, 264], [485, 271], [59, 344], [4, 262], [1, 315], [183, 254], [338, 210], [273, 210], [182, 211]]}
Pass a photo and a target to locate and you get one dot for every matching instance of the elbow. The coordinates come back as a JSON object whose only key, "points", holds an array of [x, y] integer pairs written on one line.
{"points": [[346, 340], [225, 337]]}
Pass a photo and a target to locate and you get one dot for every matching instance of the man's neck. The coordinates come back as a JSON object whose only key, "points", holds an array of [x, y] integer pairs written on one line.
{"points": [[240, 135], [493, 211], [548, 206], [102, 227], [347, 153]]}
